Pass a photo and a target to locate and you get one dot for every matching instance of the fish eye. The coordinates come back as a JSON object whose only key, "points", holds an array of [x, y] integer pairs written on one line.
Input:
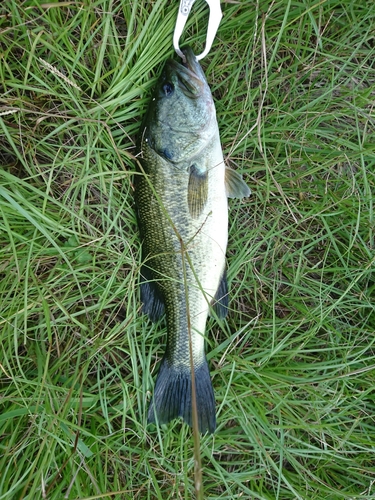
{"points": [[168, 89]]}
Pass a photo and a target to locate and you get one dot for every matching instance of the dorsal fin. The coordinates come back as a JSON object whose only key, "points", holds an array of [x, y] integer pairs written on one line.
{"points": [[153, 304]]}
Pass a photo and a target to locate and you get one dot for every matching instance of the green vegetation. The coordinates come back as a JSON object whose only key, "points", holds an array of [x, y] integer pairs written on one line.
{"points": [[293, 366]]}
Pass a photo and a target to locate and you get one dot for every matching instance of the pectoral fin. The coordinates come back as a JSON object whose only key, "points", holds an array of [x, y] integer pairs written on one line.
{"points": [[197, 191], [234, 184]]}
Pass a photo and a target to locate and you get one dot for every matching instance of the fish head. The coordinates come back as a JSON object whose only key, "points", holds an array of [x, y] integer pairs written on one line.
{"points": [[181, 119]]}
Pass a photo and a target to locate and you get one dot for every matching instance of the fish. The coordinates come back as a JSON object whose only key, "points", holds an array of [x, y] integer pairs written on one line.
{"points": [[182, 187]]}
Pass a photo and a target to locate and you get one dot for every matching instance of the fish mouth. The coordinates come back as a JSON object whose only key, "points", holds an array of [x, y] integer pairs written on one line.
{"points": [[189, 73], [191, 61]]}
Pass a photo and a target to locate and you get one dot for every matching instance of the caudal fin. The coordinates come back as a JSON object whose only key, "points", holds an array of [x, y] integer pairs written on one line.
{"points": [[172, 396]]}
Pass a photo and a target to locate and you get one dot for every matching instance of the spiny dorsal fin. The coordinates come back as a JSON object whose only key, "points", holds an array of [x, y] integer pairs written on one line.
{"points": [[234, 184], [197, 191]]}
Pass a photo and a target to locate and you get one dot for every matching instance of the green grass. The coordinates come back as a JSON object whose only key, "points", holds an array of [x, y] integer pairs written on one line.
{"points": [[293, 366]]}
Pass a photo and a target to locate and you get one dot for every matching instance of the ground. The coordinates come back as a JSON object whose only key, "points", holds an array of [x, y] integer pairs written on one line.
{"points": [[293, 366]]}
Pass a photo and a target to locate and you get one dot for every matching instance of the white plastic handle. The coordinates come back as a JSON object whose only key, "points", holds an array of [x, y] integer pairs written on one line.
{"points": [[213, 25]]}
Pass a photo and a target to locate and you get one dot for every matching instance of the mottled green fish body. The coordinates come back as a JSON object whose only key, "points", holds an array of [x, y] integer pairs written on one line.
{"points": [[181, 200]]}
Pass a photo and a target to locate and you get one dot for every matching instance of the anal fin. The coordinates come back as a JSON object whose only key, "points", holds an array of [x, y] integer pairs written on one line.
{"points": [[220, 302]]}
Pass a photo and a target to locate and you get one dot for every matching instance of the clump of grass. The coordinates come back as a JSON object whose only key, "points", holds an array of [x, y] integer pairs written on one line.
{"points": [[293, 366]]}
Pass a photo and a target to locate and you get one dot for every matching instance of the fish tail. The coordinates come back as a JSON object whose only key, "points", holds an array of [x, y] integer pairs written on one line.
{"points": [[172, 396]]}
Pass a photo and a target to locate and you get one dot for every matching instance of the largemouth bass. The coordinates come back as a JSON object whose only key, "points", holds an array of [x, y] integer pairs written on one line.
{"points": [[181, 195]]}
